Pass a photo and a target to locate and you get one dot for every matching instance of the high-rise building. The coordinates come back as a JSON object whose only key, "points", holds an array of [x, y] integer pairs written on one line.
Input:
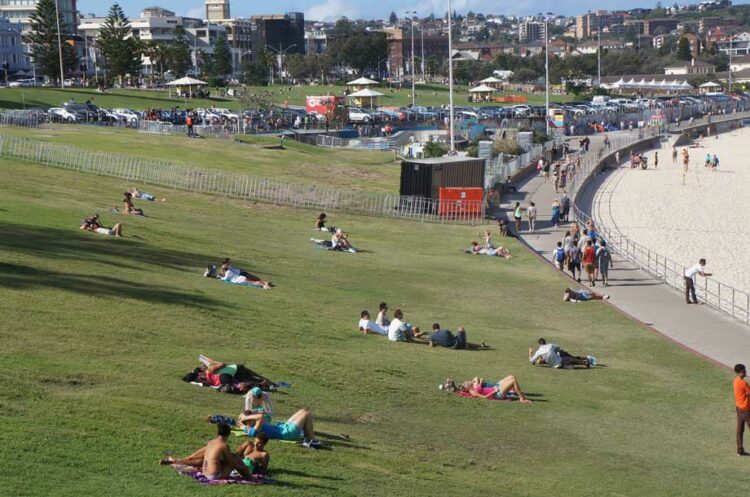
{"points": [[19, 11], [283, 32], [530, 31], [217, 10]]}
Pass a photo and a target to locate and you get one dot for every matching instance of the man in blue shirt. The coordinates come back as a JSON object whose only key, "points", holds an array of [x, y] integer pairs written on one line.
{"points": [[444, 338]]}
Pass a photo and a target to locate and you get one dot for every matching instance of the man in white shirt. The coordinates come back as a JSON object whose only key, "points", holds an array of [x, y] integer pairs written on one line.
{"points": [[553, 356], [689, 283], [398, 331], [366, 326]]}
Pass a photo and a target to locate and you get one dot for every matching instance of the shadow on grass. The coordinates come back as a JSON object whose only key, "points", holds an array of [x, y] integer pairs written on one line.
{"points": [[291, 472], [74, 244], [27, 278]]}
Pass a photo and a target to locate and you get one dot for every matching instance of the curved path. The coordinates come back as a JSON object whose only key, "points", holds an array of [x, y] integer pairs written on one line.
{"points": [[635, 292]]}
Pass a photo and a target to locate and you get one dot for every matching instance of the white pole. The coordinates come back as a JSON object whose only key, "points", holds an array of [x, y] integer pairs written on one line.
{"points": [[546, 76], [59, 46], [599, 52], [731, 46], [411, 21], [421, 32], [450, 78]]}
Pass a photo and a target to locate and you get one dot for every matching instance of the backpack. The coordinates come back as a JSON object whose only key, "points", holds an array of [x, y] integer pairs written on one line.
{"points": [[559, 254]]}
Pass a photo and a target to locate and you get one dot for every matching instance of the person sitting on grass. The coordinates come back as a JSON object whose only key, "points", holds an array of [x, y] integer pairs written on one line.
{"points": [[552, 355], [398, 331], [93, 224], [383, 319], [582, 295], [238, 276], [254, 455], [144, 196], [482, 389], [445, 338], [477, 249], [215, 459], [369, 327], [340, 241], [129, 207], [320, 224]]}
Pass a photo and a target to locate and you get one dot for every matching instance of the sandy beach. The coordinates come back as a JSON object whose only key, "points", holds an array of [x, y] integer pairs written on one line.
{"points": [[707, 217]]}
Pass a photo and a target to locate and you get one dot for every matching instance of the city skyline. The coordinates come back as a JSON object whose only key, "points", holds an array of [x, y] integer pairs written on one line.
{"points": [[327, 10]]}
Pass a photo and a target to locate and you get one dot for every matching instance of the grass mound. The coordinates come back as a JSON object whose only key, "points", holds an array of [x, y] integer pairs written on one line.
{"points": [[97, 331]]}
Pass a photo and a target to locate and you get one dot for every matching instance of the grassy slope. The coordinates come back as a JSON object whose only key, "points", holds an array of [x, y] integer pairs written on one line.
{"points": [[352, 169], [96, 333], [15, 98]]}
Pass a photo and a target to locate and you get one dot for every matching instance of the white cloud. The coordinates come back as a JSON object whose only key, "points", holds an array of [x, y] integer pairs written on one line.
{"points": [[330, 10]]}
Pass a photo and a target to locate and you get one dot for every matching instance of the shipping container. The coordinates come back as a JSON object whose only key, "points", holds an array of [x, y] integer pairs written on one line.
{"points": [[425, 177]]}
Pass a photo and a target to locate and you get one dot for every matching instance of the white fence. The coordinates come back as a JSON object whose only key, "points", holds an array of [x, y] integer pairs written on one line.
{"points": [[720, 296], [178, 176]]}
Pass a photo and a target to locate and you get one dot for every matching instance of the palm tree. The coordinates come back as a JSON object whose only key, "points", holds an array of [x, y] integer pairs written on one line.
{"points": [[158, 54]]}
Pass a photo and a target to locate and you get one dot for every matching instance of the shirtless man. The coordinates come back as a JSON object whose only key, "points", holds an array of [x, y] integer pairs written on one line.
{"points": [[215, 459], [685, 164]]}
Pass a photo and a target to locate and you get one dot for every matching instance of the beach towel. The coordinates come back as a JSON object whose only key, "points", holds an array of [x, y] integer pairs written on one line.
{"points": [[253, 285], [233, 479], [510, 396]]}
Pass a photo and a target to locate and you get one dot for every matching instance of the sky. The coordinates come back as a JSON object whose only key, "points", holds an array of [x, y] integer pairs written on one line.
{"points": [[359, 9]]}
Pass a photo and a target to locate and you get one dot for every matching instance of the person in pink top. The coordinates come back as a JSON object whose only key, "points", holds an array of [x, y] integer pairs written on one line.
{"points": [[479, 388]]}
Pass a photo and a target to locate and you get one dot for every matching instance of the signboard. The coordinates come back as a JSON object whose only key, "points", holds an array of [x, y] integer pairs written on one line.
{"points": [[322, 105]]}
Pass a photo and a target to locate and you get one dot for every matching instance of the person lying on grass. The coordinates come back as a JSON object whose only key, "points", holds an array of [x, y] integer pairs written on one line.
{"points": [[445, 338], [477, 249], [555, 357], [144, 196], [93, 224], [398, 331], [370, 327], [239, 277], [479, 388], [220, 374], [129, 207], [300, 424], [215, 459], [582, 295]]}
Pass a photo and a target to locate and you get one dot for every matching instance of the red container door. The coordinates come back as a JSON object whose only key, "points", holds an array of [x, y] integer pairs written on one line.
{"points": [[461, 203]]}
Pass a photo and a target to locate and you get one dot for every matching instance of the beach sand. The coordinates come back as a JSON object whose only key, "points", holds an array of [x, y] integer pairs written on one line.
{"points": [[708, 217]]}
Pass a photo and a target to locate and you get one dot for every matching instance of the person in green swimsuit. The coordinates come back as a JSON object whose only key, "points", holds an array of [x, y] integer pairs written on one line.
{"points": [[254, 454]]}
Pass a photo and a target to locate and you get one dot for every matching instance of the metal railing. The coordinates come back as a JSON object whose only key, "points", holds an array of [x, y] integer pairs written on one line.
{"points": [[715, 294], [182, 177]]}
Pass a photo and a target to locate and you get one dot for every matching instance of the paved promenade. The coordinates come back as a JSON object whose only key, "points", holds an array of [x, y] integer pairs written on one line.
{"points": [[633, 291]]}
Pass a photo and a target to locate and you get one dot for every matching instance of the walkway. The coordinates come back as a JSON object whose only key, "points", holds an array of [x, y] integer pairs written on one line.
{"points": [[635, 292]]}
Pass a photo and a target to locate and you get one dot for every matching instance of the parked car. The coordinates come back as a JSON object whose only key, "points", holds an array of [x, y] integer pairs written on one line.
{"points": [[21, 83], [126, 115], [60, 114], [226, 114], [522, 110], [359, 115]]}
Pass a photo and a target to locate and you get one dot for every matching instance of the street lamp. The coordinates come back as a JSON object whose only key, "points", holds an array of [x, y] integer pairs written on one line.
{"points": [[546, 72], [411, 21], [731, 48], [450, 79], [599, 52], [281, 53]]}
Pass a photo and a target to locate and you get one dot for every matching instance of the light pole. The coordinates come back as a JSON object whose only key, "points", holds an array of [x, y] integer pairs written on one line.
{"points": [[546, 74], [731, 47], [421, 33], [59, 46], [450, 79], [599, 52], [281, 53], [412, 13]]}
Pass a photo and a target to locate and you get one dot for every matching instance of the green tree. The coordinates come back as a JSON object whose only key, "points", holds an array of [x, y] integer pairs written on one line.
{"points": [[158, 54], [180, 61], [221, 59], [393, 19], [683, 49], [256, 73], [357, 48], [120, 49], [42, 39], [434, 149]]}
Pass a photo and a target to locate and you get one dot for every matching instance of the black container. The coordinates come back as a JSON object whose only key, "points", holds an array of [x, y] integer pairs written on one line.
{"points": [[425, 177]]}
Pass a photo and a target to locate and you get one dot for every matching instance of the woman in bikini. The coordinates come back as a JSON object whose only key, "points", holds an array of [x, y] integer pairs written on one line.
{"points": [[481, 389], [129, 207]]}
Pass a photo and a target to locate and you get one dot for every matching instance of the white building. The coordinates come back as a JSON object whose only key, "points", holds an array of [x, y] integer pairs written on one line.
{"points": [[21, 10]]}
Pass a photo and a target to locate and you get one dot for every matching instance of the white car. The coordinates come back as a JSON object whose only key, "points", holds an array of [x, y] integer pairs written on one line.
{"points": [[522, 110], [125, 115], [207, 115], [359, 116], [63, 114], [225, 113], [21, 83]]}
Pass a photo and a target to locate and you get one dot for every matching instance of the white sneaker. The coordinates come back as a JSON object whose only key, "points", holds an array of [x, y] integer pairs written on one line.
{"points": [[605, 297]]}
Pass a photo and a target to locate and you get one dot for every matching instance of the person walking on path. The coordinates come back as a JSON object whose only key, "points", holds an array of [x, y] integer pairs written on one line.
{"points": [[604, 262], [589, 261], [742, 405], [189, 122], [517, 216], [574, 261], [690, 284], [685, 164], [531, 215], [674, 154], [656, 160]]}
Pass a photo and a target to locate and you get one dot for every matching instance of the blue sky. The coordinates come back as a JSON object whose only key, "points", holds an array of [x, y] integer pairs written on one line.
{"points": [[333, 9]]}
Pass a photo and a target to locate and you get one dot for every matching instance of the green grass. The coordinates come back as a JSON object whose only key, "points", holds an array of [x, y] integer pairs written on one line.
{"points": [[96, 333], [435, 95], [372, 171]]}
